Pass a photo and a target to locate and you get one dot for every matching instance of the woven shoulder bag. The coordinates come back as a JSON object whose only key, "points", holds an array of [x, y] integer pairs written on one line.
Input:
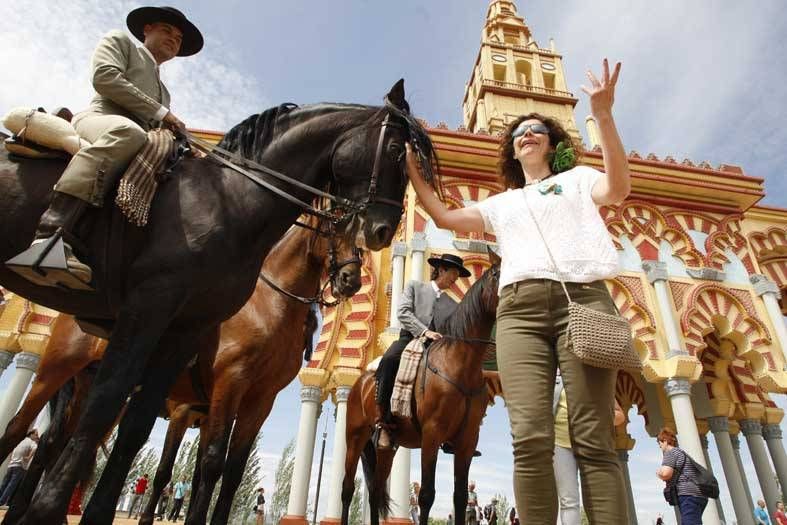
{"points": [[597, 338]]}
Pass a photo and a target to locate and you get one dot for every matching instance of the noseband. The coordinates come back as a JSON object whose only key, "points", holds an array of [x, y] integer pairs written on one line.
{"points": [[334, 267]]}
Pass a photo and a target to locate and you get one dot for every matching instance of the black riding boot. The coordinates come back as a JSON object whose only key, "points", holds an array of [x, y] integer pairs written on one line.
{"points": [[385, 384], [50, 260]]}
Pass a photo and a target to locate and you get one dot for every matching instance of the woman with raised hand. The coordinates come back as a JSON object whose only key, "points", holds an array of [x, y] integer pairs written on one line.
{"points": [[547, 190]]}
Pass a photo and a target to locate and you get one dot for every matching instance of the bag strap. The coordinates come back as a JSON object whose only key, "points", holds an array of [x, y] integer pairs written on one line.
{"points": [[543, 239]]}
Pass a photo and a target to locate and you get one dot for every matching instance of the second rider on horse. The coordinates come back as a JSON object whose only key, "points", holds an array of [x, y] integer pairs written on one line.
{"points": [[130, 100]]}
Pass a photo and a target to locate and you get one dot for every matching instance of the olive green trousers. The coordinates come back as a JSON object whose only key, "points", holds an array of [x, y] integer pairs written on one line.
{"points": [[532, 317], [94, 170]]}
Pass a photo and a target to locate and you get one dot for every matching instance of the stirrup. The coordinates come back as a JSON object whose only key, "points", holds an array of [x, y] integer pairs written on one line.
{"points": [[44, 263], [378, 431]]}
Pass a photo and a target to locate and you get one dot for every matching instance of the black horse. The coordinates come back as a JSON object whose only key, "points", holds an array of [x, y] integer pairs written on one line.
{"points": [[163, 290]]}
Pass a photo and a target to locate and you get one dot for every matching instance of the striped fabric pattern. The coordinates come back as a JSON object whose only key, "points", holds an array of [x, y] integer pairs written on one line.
{"points": [[401, 399]]}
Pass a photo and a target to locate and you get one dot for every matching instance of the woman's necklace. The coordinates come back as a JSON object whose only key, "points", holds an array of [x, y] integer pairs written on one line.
{"points": [[545, 186]]}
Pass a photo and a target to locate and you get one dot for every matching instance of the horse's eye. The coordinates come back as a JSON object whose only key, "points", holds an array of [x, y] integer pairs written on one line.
{"points": [[396, 151]]}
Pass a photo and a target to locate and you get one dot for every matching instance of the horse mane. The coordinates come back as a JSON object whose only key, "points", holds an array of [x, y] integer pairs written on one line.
{"points": [[471, 308], [250, 137]]}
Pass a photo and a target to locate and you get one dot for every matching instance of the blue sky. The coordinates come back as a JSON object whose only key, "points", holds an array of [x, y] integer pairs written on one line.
{"points": [[704, 80]]}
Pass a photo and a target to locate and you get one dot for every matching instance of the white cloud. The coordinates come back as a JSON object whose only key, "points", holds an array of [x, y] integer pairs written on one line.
{"points": [[47, 47]]}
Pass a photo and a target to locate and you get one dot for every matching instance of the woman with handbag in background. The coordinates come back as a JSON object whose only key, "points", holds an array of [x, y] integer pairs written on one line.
{"points": [[553, 244], [678, 472]]}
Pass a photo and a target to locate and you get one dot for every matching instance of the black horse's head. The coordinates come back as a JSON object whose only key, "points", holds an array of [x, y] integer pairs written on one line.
{"points": [[368, 165]]}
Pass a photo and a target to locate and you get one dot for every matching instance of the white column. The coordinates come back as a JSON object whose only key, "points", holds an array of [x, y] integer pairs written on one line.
{"points": [[26, 365], [773, 438], [769, 292], [304, 451], [397, 281], [418, 247], [717, 501], [720, 427], [400, 485], [736, 447], [339, 454], [752, 429], [679, 394], [623, 458], [5, 359], [657, 275]]}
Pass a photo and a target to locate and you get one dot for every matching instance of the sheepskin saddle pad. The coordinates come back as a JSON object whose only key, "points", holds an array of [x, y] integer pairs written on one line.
{"points": [[38, 134]]}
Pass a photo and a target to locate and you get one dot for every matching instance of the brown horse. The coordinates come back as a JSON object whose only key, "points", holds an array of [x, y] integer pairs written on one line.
{"points": [[297, 262], [449, 401]]}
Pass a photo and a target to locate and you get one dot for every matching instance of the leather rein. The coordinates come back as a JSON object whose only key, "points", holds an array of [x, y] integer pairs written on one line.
{"points": [[248, 168]]}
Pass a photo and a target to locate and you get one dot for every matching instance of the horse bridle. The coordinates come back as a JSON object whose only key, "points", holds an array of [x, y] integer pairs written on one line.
{"points": [[334, 267], [348, 208]]}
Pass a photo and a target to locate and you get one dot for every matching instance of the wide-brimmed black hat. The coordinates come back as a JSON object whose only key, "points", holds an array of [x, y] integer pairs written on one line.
{"points": [[192, 38], [453, 261]]}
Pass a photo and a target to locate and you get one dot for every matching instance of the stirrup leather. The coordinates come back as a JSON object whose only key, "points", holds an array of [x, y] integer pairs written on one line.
{"points": [[378, 430]]}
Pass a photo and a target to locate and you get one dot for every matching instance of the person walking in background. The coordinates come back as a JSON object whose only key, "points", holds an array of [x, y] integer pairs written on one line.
{"points": [[548, 230], [163, 501], [761, 514], [415, 490], [17, 466], [513, 517], [659, 520], [564, 461], [471, 514], [780, 517], [678, 471], [450, 520], [259, 507], [179, 493], [490, 512], [140, 487]]}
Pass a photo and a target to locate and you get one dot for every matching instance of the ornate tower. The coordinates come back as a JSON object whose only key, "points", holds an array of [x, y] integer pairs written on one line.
{"points": [[512, 76]]}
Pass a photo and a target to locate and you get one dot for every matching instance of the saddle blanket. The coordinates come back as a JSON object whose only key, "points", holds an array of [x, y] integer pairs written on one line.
{"points": [[138, 185], [401, 399]]}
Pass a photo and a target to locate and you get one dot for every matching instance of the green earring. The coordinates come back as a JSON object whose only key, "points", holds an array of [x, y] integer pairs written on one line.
{"points": [[563, 158]]}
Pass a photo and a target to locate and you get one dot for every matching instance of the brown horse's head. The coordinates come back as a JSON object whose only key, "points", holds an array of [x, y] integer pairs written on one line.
{"points": [[343, 262]]}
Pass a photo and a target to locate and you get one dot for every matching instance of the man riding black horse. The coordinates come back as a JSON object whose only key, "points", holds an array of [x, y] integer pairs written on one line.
{"points": [[130, 100], [423, 310]]}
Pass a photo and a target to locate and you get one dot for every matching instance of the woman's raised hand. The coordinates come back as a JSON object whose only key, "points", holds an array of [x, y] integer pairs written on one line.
{"points": [[411, 157], [602, 92]]}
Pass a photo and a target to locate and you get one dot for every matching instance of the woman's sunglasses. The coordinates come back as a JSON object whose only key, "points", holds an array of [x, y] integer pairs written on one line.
{"points": [[537, 128]]}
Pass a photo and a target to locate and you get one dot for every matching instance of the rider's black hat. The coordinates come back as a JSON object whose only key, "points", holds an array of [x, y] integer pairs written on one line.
{"points": [[450, 260], [192, 38]]}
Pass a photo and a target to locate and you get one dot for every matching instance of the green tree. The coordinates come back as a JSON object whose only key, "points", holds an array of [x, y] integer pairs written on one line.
{"points": [[584, 517], [101, 462], [502, 509], [246, 495], [283, 483], [356, 506]]}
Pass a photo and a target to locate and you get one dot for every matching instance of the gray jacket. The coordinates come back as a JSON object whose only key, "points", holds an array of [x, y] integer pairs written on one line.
{"points": [[416, 306], [127, 82]]}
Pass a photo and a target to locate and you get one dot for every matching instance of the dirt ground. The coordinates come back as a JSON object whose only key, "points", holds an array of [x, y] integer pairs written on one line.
{"points": [[120, 519]]}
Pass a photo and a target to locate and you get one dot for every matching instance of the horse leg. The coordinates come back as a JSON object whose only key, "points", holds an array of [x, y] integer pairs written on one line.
{"points": [[357, 437], [223, 407], [178, 423], [462, 459], [379, 500], [51, 443], [429, 447], [137, 332], [141, 413]]}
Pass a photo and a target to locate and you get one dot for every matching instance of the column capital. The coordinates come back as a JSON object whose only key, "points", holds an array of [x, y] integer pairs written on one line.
{"points": [[718, 424], [750, 427], [5, 359], [419, 242], [771, 432], [623, 455], [676, 352], [704, 441], [676, 385], [310, 394], [28, 360], [655, 271], [398, 249], [342, 394], [763, 285], [736, 442]]}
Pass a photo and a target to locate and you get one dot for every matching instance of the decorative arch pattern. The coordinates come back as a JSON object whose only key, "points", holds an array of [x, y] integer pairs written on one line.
{"points": [[455, 194], [629, 298], [628, 393]]}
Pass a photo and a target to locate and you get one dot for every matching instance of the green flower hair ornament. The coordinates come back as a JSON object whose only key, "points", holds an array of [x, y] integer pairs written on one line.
{"points": [[563, 158]]}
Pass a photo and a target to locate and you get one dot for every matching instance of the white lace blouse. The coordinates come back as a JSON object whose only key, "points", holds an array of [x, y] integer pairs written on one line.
{"points": [[569, 220]]}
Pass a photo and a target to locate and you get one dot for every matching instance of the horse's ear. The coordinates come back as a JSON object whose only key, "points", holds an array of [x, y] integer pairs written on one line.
{"points": [[395, 97], [494, 258]]}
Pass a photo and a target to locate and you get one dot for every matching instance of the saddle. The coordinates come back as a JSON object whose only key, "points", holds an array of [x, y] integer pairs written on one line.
{"points": [[41, 135]]}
